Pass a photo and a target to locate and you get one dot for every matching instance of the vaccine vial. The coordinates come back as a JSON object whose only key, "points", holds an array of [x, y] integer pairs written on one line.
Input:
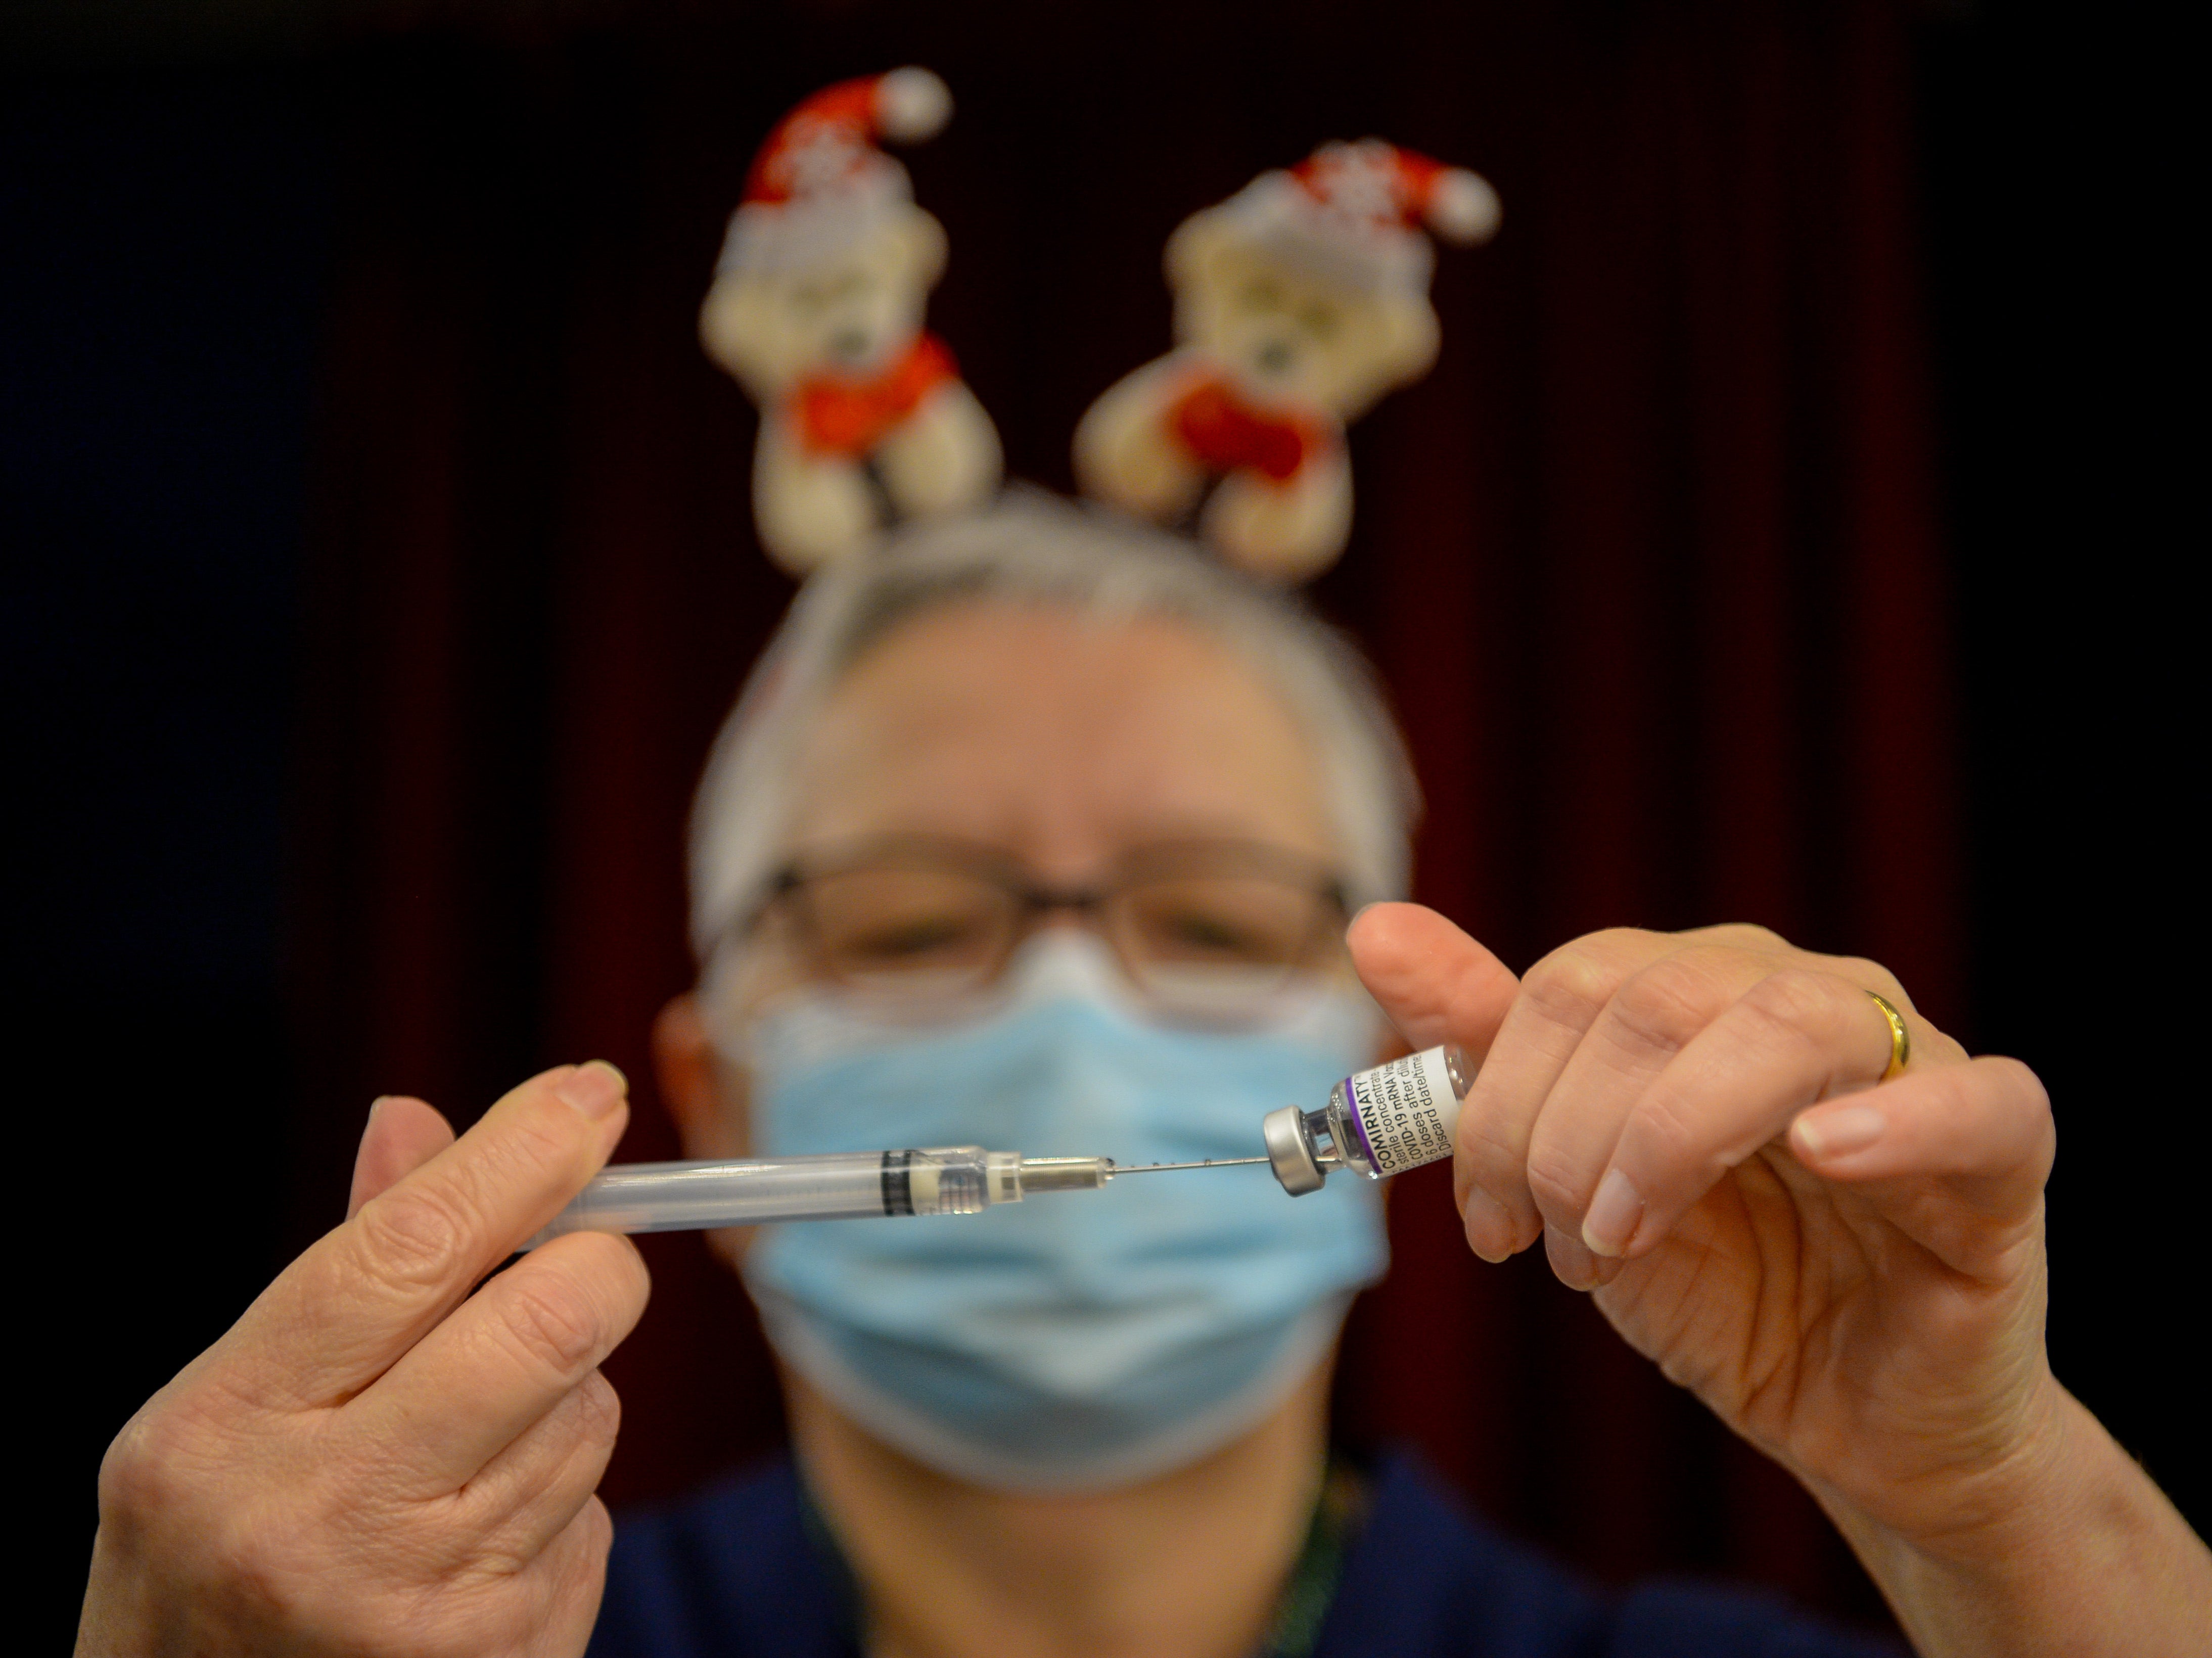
{"points": [[1384, 1121]]}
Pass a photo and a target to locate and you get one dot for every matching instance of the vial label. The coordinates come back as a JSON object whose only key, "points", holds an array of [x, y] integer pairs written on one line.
{"points": [[1406, 1111]]}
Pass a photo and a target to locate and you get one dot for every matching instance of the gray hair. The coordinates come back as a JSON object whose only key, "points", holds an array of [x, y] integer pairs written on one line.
{"points": [[1033, 546]]}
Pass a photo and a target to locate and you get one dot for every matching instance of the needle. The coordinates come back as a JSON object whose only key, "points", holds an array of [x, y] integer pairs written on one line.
{"points": [[1209, 1163]]}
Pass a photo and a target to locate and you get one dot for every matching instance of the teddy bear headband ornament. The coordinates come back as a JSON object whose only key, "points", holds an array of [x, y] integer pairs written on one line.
{"points": [[817, 311], [1298, 302]]}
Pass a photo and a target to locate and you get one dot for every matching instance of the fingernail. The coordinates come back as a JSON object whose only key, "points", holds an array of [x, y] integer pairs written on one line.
{"points": [[1489, 1228], [1613, 1213], [368, 1125], [1843, 1129], [1571, 1262], [594, 1088]]}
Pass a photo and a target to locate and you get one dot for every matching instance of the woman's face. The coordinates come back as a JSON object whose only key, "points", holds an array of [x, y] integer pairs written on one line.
{"points": [[1064, 743]]}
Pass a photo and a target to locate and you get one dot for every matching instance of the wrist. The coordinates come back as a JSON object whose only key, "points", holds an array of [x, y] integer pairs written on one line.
{"points": [[2003, 1503], [2062, 1545]]}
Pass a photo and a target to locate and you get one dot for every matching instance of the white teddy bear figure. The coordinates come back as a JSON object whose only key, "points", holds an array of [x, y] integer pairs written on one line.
{"points": [[816, 310], [1299, 302]]}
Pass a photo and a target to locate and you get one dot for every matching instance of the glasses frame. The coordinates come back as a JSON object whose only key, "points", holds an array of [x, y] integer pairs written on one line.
{"points": [[1034, 901]]}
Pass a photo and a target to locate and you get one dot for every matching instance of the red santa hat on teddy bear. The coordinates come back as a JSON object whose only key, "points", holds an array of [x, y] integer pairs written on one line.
{"points": [[820, 182], [1355, 212]]}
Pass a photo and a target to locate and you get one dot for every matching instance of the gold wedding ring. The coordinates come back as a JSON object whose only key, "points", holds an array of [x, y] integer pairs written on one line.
{"points": [[1900, 1039]]}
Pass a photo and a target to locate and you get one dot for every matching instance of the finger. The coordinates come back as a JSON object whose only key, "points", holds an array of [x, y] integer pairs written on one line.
{"points": [[1789, 1038], [526, 1495], [567, 1578], [1560, 998], [1437, 984], [474, 1385], [364, 1294], [402, 1135], [1653, 1016], [1983, 1128]]}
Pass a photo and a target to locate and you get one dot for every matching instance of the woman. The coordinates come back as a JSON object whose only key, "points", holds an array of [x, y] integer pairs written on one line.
{"points": [[1039, 834]]}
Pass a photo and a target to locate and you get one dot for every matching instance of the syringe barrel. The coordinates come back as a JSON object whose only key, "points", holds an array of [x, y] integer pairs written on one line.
{"points": [[673, 1197]]}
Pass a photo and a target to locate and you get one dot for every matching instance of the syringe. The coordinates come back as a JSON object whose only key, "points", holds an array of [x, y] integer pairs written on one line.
{"points": [[944, 1180], [1384, 1121]]}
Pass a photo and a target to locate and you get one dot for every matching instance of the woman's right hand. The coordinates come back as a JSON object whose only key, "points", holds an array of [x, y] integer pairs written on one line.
{"points": [[374, 1460]]}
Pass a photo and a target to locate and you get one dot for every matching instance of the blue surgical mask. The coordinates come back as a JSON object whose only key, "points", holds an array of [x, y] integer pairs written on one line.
{"points": [[1076, 1340]]}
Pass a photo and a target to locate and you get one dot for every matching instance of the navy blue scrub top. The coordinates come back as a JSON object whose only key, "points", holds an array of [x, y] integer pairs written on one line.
{"points": [[735, 1572]]}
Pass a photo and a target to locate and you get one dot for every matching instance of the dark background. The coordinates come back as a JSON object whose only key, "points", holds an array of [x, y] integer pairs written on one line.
{"points": [[1793, 530]]}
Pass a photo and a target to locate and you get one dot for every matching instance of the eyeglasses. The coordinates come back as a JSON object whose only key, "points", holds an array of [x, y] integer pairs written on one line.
{"points": [[1203, 929]]}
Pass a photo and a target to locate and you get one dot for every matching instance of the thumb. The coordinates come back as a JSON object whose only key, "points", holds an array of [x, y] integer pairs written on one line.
{"points": [[1435, 982], [403, 1134]]}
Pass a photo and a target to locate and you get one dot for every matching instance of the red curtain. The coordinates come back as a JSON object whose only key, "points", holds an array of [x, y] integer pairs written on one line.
{"points": [[1648, 562]]}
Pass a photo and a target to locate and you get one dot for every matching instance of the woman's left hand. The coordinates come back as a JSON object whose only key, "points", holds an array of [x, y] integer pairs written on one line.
{"points": [[1847, 1270]]}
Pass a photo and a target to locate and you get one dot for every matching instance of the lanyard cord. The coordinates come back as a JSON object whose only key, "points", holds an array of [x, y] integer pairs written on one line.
{"points": [[1340, 1513]]}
